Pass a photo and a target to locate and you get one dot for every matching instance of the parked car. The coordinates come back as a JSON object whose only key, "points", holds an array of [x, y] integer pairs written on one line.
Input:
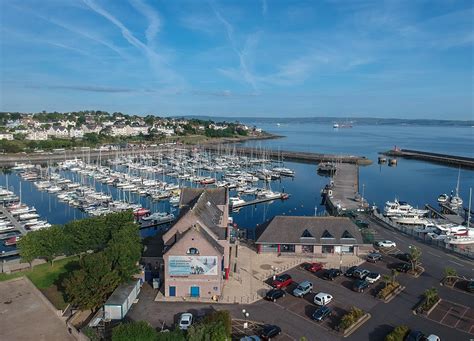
{"points": [[374, 257], [312, 267], [303, 288], [322, 298], [372, 277], [270, 331], [185, 321], [274, 294], [321, 313], [282, 281], [416, 335], [250, 338], [360, 273], [402, 267], [406, 257], [360, 285], [362, 223], [331, 274], [349, 272], [470, 286], [386, 244]]}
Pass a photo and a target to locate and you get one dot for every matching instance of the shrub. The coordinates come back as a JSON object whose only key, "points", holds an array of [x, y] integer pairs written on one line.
{"points": [[430, 298], [387, 290], [350, 318], [140, 330], [398, 334]]}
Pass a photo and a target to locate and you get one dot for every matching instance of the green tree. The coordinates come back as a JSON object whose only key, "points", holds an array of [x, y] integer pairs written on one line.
{"points": [[174, 335], [29, 247], [89, 287], [450, 274], [431, 296], [415, 257], [139, 331]]}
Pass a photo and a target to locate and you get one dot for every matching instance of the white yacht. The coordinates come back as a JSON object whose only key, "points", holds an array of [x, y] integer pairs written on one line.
{"points": [[395, 208], [233, 201]]}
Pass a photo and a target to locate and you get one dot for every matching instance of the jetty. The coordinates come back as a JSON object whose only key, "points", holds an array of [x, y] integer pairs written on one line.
{"points": [[445, 159], [342, 194]]}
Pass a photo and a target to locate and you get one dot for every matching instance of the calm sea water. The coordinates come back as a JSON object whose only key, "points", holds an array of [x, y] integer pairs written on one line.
{"points": [[414, 181]]}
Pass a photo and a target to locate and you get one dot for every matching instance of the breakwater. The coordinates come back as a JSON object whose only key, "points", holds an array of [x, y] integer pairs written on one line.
{"points": [[9, 160], [446, 159]]}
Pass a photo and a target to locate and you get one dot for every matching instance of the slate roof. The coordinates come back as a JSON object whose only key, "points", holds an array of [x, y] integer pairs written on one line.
{"points": [[217, 195], [202, 231], [310, 230]]}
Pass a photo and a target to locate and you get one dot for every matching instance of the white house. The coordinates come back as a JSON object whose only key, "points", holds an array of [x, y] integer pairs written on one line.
{"points": [[60, 132], [91, 128], [37, 135], [6, 136], [76, 133]]}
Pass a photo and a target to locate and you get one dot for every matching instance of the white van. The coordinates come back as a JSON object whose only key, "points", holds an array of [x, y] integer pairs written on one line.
{"points": [[322, 298]]}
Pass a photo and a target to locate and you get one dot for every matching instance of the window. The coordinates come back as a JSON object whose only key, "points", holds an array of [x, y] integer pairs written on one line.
{"points": [[327, 249], [327, 235], [307, 248], [306, 234], [287, 248], [346, 235], [192, 251]]}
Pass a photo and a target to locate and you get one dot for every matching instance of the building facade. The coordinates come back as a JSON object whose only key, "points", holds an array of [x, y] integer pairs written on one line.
{"points": [[198, 247], [310, 236]]}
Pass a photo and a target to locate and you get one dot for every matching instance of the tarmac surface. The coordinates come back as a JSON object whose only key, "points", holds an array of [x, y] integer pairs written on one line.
{"points": [[25, 316]]}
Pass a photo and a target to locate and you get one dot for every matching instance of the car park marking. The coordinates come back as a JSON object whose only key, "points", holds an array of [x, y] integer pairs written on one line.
{"points": [[456, 263], [434, 254]]}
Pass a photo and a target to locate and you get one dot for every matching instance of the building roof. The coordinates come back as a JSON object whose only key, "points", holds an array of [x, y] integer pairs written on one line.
{"points": [[216, 195], [310, 230], [120, 295], [202, 231]]}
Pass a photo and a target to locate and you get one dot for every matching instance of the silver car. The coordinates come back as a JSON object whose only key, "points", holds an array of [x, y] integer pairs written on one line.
{"points": [[303, 288]]}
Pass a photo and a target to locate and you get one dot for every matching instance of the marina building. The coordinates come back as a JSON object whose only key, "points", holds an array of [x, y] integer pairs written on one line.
{"points": [[198, 247], [309, 235]]}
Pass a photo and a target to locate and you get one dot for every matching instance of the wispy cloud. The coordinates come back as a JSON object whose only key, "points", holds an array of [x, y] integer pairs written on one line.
{"points": [[85, 88], [152, 16], [242, 54], [264, 7], [157, 62]]}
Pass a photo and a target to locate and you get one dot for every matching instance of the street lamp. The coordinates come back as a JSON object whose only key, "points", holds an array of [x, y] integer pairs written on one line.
{"points": [[246, 315], [275, 271]]}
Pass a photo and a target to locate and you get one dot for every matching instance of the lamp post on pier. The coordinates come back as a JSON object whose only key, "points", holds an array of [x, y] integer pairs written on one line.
{"points": [[246, 316]]}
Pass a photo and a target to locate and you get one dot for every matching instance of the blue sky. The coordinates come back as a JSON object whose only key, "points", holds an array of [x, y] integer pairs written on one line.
{"points": [[408, 59]]}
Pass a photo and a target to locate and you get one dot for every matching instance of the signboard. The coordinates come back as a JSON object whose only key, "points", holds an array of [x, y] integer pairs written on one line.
{"points": [[192, 265]]}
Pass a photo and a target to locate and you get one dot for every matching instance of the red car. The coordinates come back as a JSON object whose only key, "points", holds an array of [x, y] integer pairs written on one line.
{"points": [[282, 281], [313, 267]]}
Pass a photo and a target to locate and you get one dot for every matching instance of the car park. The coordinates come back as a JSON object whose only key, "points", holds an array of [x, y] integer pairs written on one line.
{"points": [[374, 257], [402, 267], [274, 294], [386, 244], [331, 274], [282, 281], [406, 257], [270, 331], [303, 288], [321, 313], [313, 267], [349, 272], [185, 321], [360, 273], [372, 277], [360, 285], [322, 298]]}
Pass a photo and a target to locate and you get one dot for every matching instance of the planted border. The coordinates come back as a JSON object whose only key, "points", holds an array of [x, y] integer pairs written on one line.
{"points": [[351, 321]]}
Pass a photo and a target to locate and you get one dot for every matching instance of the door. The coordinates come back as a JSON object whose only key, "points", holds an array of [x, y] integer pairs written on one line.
{"points": [[194, 291], [172, 291]]}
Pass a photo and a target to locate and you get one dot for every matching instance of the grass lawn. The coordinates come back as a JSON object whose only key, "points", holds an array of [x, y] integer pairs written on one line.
{"points": [[47, 278]]}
